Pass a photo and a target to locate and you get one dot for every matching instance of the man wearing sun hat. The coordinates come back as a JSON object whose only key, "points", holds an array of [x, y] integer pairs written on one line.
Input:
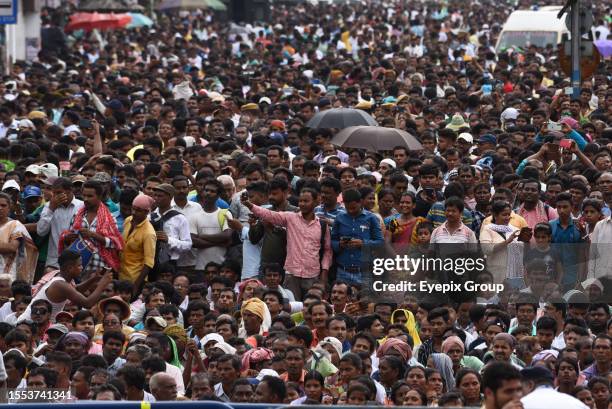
{"points": [[457, 122]]}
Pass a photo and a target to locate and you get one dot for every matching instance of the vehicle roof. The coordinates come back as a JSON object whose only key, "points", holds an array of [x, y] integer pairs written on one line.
{"points": [[540, 20]]}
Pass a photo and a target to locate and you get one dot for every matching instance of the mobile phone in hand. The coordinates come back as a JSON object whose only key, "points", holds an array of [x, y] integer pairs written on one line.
{"points": [[176, 168], [566, 143]]}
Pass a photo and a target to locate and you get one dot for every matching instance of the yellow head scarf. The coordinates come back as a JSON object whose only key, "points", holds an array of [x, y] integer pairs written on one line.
{"points": [[259, 308], [410, 324]]}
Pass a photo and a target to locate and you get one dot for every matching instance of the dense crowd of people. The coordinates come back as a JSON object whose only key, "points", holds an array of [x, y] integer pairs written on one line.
{"points": [[172, 229]]}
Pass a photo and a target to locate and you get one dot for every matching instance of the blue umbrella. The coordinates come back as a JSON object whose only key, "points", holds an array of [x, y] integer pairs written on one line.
{"points": [[139, 20]]}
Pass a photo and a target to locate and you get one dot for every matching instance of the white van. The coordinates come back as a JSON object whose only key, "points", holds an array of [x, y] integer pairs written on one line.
{"points": [[527, 27]]}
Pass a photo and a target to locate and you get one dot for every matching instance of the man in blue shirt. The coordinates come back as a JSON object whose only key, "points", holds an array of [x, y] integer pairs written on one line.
{"points": [[354, 232], [566, 237]]}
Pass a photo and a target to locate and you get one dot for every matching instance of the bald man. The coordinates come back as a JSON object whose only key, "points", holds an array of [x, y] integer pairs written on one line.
{"points": [[163, 387]]}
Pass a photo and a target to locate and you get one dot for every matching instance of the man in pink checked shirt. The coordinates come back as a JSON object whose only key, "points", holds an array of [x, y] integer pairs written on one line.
{"points": [[304, 265]]}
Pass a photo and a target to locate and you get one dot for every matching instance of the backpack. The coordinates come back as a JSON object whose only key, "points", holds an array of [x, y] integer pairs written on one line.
{"points": [[331, 273]]}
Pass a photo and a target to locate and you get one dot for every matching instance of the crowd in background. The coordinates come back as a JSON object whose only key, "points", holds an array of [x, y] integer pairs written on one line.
{"points": [[171, 228]]}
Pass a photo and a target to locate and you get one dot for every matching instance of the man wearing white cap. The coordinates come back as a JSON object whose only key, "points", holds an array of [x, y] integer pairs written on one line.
{"points": [[12, 188], [465, 141], [31, 175]]}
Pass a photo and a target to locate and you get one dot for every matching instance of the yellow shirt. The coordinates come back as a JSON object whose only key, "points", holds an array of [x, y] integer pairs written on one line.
{"points": [[139, 250]]}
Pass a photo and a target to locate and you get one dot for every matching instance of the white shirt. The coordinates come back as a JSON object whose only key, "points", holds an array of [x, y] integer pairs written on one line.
{"points": [[4, 129], [179, 237], [148, 397], [192, 211], [5, 311], [56, 307], [238, 210], [251, 255], [559, 342], [208, 223], [544, 397], [3, 374], [55, 222], [72, 128], [220, 393], [600, 258], [177, 374]]}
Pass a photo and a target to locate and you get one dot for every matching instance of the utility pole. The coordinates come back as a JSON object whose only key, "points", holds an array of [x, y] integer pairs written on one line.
{"points": [[575, 46]]}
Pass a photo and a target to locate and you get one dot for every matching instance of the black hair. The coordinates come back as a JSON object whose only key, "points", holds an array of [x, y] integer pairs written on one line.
{"points": [[96, 186], [50, 375], [454, 202], [332, 183], [107, 388], [117, 335], [368, 337], [60, 357], [94, 360], [68, 256], [366, 321], [397, 364], [351, 195], [154, 363], [133, 376], [496, 373], [276, 386], [438, 312], [547, 323], [352, 359], [234, 360], [449, 397], [303, 333]]}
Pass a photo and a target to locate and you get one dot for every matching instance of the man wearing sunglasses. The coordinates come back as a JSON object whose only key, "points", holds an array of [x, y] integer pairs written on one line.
{"points": [[41, 313]]}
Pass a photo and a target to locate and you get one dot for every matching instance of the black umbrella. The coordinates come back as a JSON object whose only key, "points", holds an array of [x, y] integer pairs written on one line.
{"points": [[375, 138], [341, 118]]}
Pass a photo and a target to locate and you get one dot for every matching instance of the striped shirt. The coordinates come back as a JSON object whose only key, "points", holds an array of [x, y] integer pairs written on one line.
{"points": [[462, 235], [437, 215]]}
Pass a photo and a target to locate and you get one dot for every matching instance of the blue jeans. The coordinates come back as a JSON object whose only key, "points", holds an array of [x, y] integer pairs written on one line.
{"points": [[351, 278]]}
